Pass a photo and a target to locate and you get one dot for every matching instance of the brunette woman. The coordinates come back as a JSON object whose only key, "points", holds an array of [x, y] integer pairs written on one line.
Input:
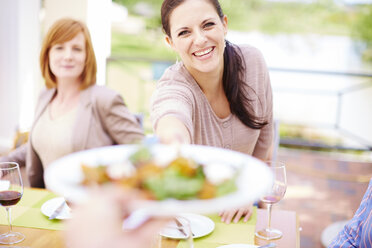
{"points": [[219, 94]]}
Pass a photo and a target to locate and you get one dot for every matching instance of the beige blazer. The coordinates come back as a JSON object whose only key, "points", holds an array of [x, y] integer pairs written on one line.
{"points": [[102, 120]]}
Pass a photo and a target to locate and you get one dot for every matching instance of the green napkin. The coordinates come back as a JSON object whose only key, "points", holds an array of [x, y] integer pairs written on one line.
{"points": [[223, 234], [27, 212]]}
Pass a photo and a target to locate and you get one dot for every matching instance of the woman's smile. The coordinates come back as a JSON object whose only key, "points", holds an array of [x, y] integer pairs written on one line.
{"points": [[204, 52]]}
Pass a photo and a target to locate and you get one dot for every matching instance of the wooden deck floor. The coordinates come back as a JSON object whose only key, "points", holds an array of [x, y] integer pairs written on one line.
{"points": [[322, 189]]}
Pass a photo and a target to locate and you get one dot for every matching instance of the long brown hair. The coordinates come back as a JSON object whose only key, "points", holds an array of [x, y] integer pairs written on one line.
{"points": [[233, 72], [61, 31]]}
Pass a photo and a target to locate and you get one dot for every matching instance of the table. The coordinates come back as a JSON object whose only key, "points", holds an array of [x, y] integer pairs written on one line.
{"points": [[37, 238], [286, 221]]}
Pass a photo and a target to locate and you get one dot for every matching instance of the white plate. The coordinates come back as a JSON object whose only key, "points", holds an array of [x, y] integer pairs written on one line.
{"points": [[64, 176], [200, 226], [49, 206], [238, 246]]}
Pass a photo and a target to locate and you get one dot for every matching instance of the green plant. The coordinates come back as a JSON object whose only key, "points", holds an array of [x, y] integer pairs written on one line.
{"points": [[362, 30], [140, 45], [322, 16]]}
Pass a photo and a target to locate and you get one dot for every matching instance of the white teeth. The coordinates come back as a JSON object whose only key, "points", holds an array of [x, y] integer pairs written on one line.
{"points": [[203, 52]]}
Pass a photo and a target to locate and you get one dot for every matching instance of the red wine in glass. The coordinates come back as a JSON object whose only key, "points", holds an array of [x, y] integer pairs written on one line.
{"points": [[11, 191], [9, 198]]}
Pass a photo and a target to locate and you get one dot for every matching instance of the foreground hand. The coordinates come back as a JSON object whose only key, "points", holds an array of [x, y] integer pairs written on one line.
{"points": [[98, 223], [228, 215]]}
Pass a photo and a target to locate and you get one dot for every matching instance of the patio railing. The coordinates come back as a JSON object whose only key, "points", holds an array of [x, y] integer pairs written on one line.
{"points": [[360, 88]]}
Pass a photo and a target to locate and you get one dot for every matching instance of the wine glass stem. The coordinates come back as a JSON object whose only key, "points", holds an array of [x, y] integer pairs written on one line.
{"points": [[9, 215], [269, 206]]}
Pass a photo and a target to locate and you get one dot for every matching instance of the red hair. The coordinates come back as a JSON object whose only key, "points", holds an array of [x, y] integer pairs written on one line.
{"points": [[61, 31]]}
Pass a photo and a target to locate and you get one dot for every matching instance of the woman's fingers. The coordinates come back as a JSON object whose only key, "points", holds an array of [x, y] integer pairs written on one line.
{"points": [[228, 215], [239, 214], [236, 214], [248, 214]]}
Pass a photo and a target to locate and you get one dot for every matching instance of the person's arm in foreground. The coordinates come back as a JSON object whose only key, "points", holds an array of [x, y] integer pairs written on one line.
{"points": [[358, 231], [98, 223]]}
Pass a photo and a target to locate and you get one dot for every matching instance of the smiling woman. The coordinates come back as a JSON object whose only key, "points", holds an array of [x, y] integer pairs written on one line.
{"points": [[67, 60], [72, 113], [220, 94]]}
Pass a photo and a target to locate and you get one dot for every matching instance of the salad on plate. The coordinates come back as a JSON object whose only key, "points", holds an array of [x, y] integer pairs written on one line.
{"points": [[178, 177], [189, 178]]}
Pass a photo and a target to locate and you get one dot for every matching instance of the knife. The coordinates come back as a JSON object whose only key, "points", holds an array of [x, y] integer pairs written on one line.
{"points": [[180, 225], [57, 211]]}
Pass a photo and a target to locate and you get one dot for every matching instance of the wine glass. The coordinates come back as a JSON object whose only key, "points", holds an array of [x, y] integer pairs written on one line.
{"points": [[176, 234], [11, 191], [275, 194]]}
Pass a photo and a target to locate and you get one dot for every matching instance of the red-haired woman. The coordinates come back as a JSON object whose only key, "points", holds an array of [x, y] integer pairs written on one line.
{"points": [[72, 113]]}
